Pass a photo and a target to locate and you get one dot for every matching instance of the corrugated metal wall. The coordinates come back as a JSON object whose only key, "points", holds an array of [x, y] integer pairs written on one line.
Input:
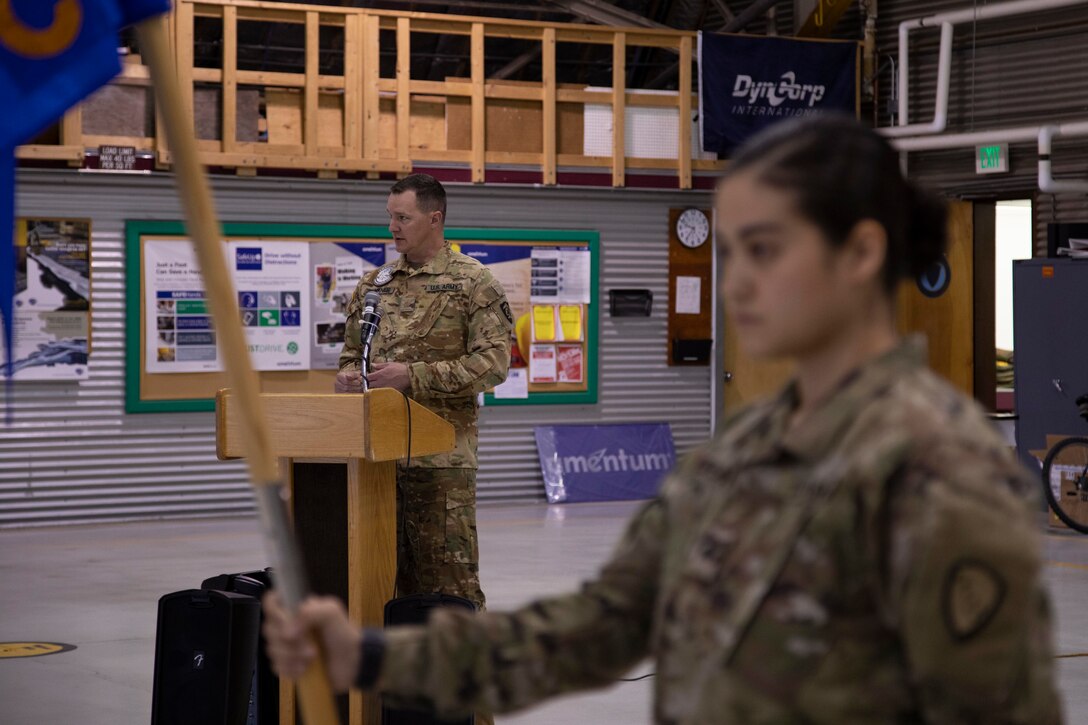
{"points": [[1018, 71], [74, 456]]}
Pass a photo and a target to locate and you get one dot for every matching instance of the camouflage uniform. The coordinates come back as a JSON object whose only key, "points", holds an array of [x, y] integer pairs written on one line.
{"points": [[449, 321], [876, 563]]}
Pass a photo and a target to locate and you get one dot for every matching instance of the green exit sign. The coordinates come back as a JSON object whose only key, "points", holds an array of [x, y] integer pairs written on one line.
{"points": [[992, 159]]}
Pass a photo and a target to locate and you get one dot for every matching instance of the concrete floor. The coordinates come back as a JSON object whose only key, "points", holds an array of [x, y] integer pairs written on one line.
{"points": [[97, 587]]}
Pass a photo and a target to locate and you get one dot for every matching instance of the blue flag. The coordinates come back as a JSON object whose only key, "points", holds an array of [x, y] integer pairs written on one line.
{"points": [[748, 82], [53, 53]]}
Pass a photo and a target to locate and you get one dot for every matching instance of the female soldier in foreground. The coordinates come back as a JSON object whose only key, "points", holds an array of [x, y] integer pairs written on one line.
{"points": [[858, 549]]}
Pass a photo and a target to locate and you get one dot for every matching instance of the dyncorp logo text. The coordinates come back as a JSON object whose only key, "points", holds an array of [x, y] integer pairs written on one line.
{"points": [[777, 92]]}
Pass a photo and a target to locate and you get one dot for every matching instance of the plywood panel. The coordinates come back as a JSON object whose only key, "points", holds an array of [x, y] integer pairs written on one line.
{"points": [[511, 125], [284, 110], [426, 124]]}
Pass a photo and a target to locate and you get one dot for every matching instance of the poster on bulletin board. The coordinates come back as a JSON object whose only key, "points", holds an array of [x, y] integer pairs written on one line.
{"points": [[52, 302], [550, 279], [337, 268], [269, 280]]}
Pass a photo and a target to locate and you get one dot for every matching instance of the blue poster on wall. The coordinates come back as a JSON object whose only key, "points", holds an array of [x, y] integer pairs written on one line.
{"points": [[747, 83], [604, 462]]}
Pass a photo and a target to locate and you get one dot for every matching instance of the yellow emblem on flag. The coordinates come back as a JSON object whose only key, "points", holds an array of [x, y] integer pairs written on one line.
{"points": [[39, 43]]}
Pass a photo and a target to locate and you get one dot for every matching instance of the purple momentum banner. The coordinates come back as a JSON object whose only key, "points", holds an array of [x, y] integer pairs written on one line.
{"points": [[747, 83], [604, 462]]}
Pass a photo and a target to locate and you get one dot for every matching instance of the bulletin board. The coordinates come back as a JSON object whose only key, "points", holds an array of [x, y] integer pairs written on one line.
{"points": [[171, 363]]}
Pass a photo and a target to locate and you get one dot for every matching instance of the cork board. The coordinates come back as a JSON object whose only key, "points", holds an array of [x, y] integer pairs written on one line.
{"points": [[195, 391]]}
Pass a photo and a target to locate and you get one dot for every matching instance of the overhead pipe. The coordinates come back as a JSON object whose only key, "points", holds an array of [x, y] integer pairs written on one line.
{"points": [[944, 77], [947, 21], [1042, 135], [1019, 134], [1047, 182]]}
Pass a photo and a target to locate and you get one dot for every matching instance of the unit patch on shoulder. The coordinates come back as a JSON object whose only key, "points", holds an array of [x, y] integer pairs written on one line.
{"points": [[973, 593], [384, 275], [505, 307]]}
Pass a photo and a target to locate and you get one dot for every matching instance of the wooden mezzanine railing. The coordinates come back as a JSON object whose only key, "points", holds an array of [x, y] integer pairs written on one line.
{"points": [[359, 121]]}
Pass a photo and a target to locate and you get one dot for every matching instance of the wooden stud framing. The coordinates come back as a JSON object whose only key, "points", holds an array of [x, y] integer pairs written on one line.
{"points": [[140, 142], [353, 87], [72, 154], [184, 45], [363, 148], [371, 73], [404, 82], [549, 116], [71, 132], [230, 78], [313, 163], [684, 155], [161, 149], [478, 101], [309, 108], [266, 78], [619, 109]]}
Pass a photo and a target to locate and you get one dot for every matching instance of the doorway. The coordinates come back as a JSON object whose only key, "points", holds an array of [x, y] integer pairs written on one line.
{"points": [[1013, 239]]}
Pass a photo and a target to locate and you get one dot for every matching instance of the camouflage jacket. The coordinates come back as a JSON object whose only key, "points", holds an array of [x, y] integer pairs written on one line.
{"points": [[449, 321], [878, 562]]}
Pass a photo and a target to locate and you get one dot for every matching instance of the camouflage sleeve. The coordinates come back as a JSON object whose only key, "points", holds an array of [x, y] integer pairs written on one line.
{"points": [[963, 590], [352, 352], [499, 662], [488, 349]]}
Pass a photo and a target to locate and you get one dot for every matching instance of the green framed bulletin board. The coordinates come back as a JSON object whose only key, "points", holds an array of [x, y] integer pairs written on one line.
{"points": [[294, 281]]}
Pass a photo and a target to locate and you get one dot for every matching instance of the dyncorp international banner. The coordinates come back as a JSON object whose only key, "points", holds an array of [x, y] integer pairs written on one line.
{"points": [[747, 83], [604, 462]]}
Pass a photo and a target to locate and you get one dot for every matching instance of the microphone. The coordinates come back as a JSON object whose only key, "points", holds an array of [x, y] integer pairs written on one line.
{"points": [[368, 325]]}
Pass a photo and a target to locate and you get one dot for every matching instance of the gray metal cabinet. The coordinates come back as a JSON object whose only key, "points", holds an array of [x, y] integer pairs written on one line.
{"points": [[1050, 336]]}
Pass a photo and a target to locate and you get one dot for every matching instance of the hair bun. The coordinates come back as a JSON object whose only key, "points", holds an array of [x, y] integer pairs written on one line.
{"points": [[927, 235]]}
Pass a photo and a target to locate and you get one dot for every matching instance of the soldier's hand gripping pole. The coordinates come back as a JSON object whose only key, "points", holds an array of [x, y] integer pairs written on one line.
{"points": [[315, 693]]}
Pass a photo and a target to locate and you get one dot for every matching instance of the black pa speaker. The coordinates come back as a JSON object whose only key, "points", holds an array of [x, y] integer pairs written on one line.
{"points": [[415, 609], [264, 705], [205, 654]]}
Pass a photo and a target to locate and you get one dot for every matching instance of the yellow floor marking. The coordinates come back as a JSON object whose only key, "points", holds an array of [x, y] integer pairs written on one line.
{"points": [[10, 650], [1067, 564]]}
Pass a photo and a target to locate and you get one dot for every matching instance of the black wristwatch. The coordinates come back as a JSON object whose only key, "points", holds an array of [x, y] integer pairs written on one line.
{"points": [[372, 652]]}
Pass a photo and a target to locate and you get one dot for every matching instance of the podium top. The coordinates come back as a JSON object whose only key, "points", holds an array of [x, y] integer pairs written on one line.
{"points": [[379, 425]]}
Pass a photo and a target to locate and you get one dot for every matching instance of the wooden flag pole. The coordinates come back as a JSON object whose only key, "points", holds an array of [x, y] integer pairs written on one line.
{"points": [[315, 693]]}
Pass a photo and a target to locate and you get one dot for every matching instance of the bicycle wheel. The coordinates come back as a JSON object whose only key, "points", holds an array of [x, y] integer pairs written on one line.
{"points": [[1065, 481]]}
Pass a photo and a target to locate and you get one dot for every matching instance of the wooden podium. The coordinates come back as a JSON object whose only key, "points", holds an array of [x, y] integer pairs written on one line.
{"points": [[338, 457]]}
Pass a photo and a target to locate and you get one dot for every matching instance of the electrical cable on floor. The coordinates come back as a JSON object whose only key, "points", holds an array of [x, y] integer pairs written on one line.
{"points": [[636, 679], [1071, 655]]}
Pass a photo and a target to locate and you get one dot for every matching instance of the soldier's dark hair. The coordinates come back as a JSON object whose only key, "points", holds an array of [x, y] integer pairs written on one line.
{"points": [[430, 195], [841, 172]]}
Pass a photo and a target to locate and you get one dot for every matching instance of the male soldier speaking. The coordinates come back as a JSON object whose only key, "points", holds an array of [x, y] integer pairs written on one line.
{"points": [[444, 337]]}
